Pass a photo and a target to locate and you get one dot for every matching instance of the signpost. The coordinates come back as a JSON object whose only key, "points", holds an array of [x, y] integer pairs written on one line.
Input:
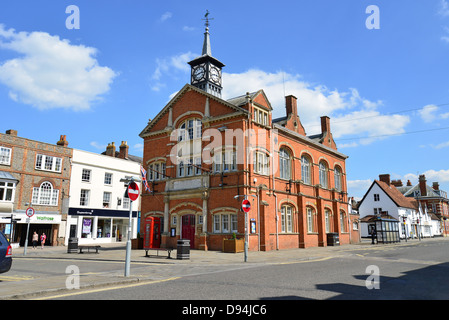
{"points": [[29, 212], [246, 206], [133, 194]]}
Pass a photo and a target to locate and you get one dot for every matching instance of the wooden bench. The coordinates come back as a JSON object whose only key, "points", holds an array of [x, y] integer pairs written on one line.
{"points": [[96, 247], [169, 250]]}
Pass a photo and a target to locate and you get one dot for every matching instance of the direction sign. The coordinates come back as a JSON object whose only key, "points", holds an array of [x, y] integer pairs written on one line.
{"points": [[133, 191], [29, 212], [246, 205]]}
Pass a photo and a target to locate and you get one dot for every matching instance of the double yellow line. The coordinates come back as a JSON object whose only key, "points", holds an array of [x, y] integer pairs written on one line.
{"points": [[87, 291]]}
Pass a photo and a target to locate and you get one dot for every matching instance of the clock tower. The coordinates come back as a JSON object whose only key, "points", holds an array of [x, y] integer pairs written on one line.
{"points": [[206, 70]]}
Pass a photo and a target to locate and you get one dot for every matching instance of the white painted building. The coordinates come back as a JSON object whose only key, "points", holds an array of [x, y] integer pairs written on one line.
{"points": [[98, 211], [384, 200]]}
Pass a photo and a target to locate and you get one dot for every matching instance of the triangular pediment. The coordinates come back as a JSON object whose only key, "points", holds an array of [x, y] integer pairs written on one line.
{"points": [[179, 95]]}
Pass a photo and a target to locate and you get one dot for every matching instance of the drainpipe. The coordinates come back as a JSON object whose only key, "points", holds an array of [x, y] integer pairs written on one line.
{"points": [[276, 217]]}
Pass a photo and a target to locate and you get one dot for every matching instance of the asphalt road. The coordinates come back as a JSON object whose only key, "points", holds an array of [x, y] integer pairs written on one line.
{"points": [[418, 271]]}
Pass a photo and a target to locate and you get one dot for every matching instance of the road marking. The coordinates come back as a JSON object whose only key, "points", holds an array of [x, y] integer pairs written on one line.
{"points": [[87, 291], [305, 261], [15, 278]]}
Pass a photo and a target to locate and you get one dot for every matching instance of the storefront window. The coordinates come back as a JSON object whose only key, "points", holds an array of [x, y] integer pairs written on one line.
{"points": [[104, 228], [87, 228]]}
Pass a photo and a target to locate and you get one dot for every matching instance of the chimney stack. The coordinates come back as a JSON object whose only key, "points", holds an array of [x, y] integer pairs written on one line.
{"points": [[123, 150], [422, 185], [110, 149], [291, 105], [12, 132], [385, 178], [63, 141], [397, 183], [325, 125], [436, 186], [409, 183]]}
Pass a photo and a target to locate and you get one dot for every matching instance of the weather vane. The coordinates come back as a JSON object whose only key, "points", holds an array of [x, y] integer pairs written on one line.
{"points": [[206, 16]]}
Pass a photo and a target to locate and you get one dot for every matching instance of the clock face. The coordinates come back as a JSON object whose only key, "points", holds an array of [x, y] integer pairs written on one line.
{"points": [[198, 73], [215, 75]]}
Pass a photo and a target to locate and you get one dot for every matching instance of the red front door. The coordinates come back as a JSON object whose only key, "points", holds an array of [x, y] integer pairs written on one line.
{"points": [[152, 237], [188, 229]]}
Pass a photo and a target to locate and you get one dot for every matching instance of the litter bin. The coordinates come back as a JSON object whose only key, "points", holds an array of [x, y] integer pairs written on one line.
{"points": [[73, 245], [183, 249], [333, 239]]}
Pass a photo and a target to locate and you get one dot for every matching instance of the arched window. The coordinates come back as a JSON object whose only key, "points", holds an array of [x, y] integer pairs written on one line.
{"points": [[310, 219], [45, 195], [284, 164], [342, 221], [327, 220], [305, 170], [323, 174], [287, 218], [337, 177], [189, 148]]}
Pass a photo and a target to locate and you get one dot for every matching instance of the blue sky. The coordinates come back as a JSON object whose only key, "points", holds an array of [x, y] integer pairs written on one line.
{"points": [[386, 90]]}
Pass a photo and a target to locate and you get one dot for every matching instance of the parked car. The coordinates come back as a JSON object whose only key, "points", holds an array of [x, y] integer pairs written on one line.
{"points": [[5, 254]]}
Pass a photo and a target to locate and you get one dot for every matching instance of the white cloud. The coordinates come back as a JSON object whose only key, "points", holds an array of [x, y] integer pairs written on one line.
{"points": [[96, 145], [351, 115], [441, 176], [170, 67], [441, 145], [427, 113], [52, 73], [167, 15], [358, 188], [443, 8]]}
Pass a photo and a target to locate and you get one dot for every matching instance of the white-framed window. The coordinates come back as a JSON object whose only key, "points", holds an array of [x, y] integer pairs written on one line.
{"points": [[48, 163], [342, 221], [189, 130], [45, 195], [5, 155], [86, 175], [284, 164], [305, 170], [157, 171], [376, 197], [108, 178], [327, 220], [225, 223], [7, 191], [286, 219], [310, 219], [107, 199], [126, 203], [337, 177], [261, 116], [84, 197], [225, 159], [323, 174], [189, 148], [261, 163]]}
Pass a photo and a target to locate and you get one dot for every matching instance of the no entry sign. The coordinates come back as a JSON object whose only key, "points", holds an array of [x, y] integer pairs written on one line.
{"points": [[29, 212], [246, 205], [133, 191]]}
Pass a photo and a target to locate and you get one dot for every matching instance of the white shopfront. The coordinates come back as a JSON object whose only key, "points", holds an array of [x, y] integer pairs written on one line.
{"points": [[91, 226]]}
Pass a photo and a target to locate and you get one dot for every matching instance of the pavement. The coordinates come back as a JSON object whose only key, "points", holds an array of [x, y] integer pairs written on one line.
{"points": [[44, 281]]}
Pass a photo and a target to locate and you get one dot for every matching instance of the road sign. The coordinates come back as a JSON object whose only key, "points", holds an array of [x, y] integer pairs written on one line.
{"points": [[246, 205], [133, 191], [29, 212]]}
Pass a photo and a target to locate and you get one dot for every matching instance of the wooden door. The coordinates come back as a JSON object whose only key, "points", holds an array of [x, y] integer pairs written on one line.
{"points": [[188, 228]]}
